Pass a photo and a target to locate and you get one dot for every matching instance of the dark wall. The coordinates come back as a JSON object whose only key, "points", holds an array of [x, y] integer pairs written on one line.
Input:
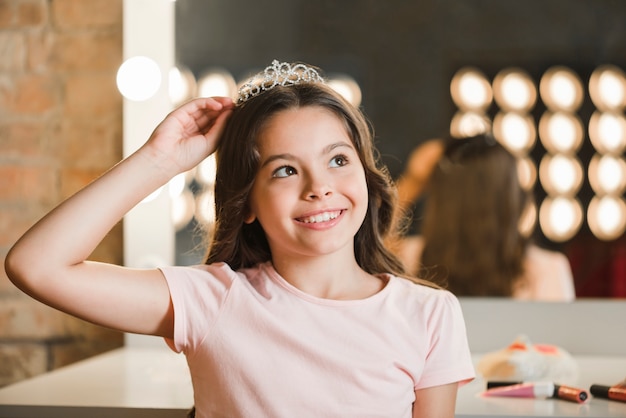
{"points": [[403, 54]]}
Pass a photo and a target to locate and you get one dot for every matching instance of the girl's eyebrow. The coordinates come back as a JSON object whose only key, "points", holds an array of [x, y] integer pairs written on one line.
{"points": [[290, 157], [275, 157], [335, 145]]}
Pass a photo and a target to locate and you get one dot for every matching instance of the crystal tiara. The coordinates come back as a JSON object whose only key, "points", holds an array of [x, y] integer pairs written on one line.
{"points": [[278, 74]]}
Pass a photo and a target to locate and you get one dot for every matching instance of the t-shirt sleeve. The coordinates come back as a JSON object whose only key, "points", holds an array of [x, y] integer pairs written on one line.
{"points": [[197, 294], [448, 359]]}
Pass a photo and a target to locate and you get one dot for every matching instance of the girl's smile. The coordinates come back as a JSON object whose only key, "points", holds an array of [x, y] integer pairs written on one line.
{"points": [[326, 219]]}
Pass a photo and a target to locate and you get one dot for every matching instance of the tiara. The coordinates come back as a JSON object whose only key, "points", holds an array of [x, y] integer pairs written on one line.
{"points": [[278, 74]]}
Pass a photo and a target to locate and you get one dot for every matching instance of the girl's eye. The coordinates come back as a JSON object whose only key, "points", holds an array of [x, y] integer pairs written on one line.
{"points": [[339, 161], [284, 171]]}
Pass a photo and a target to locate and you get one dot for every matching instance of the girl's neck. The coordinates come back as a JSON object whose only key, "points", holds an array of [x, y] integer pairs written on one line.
{"points": [[331, 277]]}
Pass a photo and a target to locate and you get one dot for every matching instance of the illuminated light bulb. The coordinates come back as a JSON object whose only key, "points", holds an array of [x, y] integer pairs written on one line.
{"points": [[205, 171], [607, 88], [527, 173], [183, 206], [561, 89], [177, 185], [205, 208], [514, 90], [607, 174], [466, 124], [217, 82], [139, 78], [561, 132], [607, 132], [528, 220], [560, 174], [514, 130], [347, 87], [470, 89], [560, 218], [182, 85], [607, 217]]}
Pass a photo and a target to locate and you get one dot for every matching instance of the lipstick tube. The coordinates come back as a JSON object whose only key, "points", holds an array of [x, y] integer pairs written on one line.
{"points": [[569, 393], [566, 393], [614, 393], [523, 390]]}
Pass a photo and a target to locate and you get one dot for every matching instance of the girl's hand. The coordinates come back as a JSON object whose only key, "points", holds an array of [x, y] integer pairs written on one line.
{"points": [[189, 133]]}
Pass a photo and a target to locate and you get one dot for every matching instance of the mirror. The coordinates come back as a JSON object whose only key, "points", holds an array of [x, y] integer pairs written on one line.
{"points": [[403, 54]]}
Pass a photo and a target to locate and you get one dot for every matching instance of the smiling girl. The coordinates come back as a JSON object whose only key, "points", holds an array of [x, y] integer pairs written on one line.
{"points": [[300, 309]]}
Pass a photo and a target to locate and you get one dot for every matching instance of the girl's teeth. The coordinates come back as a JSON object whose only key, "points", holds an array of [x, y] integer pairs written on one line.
{"points": [[322, 217]]}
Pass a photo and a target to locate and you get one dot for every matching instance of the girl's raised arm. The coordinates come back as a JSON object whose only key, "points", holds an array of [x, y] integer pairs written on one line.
{"points": [[49, 262]]}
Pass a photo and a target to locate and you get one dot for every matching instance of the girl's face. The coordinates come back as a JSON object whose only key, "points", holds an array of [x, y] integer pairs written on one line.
{"points": [[310, 193]]}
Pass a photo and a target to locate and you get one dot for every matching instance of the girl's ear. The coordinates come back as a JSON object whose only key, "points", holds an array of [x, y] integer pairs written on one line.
{"points": [[249, 218]]}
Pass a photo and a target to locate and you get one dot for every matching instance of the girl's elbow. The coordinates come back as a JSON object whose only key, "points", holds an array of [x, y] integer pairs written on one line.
{"points": [[20, 270]]}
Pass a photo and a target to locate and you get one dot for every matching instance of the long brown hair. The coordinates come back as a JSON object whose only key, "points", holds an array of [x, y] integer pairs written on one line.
{"points": [[471, 219], [243, 245]]}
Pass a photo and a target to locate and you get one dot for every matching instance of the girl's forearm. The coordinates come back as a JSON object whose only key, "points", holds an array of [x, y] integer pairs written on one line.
{"points": [[70, 233]]}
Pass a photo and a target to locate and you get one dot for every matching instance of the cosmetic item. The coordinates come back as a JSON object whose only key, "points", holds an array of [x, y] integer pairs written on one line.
{"points": [[566, 393], [525, 361], [615, 392], [523, 390]]}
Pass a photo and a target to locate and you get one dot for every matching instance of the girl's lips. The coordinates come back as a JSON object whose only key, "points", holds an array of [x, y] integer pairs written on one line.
{"points": [[320, 217]]}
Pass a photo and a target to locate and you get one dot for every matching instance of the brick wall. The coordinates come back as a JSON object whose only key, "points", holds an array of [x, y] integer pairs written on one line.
{"points": [[60, 127]]}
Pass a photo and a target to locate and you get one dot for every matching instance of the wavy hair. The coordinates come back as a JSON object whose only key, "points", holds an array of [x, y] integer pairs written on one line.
{"points": [[472, 239]]}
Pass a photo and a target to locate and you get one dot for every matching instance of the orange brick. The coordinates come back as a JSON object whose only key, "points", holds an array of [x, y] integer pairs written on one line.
{"points": [[22, 317], [7, 13], [69, 14], [21, 361], [92, 95], [22, 139], [92, 143], [28, 183], [34, 94], [6, 94], [12, 51], [87, 340], [16, 220], [32, 13], [40, 45], [87, 51], [7, 289]]}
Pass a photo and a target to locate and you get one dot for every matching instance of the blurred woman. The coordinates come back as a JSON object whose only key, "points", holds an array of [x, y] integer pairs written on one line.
{"points": [[471, 238]]}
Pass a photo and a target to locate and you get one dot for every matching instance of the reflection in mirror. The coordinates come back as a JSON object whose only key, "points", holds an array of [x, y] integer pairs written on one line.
{"points": [[403, 55]]}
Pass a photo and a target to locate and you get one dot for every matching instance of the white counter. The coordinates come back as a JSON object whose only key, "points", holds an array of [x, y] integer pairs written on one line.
{"points": [[154, 382], [123, 383]]}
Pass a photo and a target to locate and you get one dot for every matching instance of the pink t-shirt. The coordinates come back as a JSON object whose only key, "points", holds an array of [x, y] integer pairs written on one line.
{"points": [[259, 347]]}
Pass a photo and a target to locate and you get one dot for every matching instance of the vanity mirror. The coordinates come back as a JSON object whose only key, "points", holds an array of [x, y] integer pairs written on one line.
{"points": [[403, 55]]}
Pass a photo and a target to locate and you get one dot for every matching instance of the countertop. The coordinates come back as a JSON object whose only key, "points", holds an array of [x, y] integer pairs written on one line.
{"points": [[137, 382]]}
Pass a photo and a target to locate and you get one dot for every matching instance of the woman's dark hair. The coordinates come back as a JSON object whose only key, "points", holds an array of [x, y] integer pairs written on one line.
{"points": [[471, 225], [243, 245]]}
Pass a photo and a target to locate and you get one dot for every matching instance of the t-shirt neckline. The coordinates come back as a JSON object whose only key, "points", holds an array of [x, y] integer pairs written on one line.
{"points": [[271, 272]]}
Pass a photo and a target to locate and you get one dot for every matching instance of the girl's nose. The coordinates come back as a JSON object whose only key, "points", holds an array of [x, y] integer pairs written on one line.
{"points": [[318, 187]]}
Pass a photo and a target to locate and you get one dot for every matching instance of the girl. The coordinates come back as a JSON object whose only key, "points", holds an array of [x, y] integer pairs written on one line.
{"points": [[471, 235], [300, 310]]}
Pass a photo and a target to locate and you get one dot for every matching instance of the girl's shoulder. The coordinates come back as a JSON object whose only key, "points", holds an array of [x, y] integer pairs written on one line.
{"points": [[536, 253], [548, 276], [208, 274], [406, 289]]}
